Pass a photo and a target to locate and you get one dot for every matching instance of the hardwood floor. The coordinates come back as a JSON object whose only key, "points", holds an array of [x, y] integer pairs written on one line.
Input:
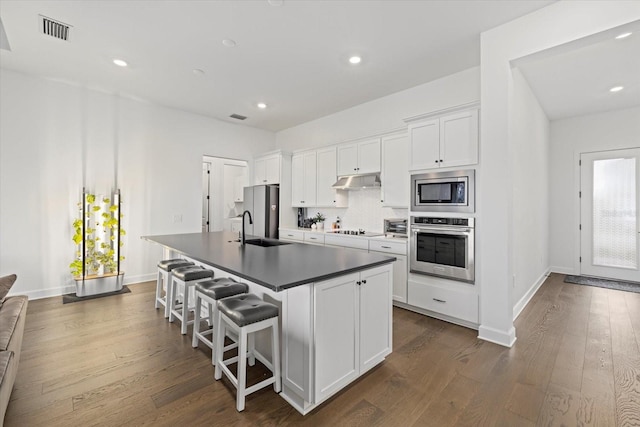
{"points": [[117, 361]]}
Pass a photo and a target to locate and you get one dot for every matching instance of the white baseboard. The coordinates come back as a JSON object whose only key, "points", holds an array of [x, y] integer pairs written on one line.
{"points": [[561, 270], [130, 280], [520, 305], [56, 292], [503, 338]]}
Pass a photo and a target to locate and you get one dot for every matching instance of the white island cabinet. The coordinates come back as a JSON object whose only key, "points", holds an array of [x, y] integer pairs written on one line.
{"points": [[348, 332]]}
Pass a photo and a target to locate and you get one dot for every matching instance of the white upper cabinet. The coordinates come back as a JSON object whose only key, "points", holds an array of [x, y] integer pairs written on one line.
{"points": [[359, 158], [303, 179], [395, 171], [446, 141], [459, 139], [266, 170], [425, 145], [326, 177]]}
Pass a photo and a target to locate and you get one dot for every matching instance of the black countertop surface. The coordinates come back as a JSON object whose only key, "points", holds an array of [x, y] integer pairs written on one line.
{"points": [[276, 267]]}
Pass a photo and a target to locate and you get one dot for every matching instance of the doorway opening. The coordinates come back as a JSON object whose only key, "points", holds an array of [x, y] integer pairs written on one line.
{"points": [[223, 181]]}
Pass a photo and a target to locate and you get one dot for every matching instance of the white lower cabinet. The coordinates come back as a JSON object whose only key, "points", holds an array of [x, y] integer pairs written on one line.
{"points": [[314, 238], [292, 235], [400, 278], [399, 250], [451, 301], [355, 331]]}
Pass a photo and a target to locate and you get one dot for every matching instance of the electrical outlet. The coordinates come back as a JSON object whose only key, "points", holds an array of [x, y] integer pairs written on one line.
{"points": [[177, 218]]}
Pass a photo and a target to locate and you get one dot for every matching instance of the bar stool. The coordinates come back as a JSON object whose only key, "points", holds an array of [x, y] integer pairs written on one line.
{"points": [[210, 291], [186, 278], [164, 278], [244, 315]]}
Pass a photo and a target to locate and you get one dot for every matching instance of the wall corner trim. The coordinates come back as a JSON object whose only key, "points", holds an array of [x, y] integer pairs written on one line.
{"points": [[503, 338]]}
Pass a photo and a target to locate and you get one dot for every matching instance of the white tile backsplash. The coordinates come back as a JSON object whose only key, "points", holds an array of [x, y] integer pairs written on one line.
{"points": [[365, 211]]}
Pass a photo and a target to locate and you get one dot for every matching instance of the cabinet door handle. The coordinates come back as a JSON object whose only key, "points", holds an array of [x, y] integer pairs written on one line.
{"points": [[386, 247], [364, 281], [437, 161], [359, 283], [439, 300], [289, 235]]}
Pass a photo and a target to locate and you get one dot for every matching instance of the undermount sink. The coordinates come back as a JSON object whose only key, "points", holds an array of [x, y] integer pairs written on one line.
{"points": [[265, 243]]}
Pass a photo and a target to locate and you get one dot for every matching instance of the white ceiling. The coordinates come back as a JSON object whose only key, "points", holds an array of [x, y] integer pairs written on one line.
{"points": [[574, 79], [292, 57]]}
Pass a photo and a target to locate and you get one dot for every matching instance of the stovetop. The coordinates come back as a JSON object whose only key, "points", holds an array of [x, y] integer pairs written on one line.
{"points": [[359, 232]]}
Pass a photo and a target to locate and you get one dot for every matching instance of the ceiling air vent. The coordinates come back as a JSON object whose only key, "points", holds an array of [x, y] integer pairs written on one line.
{"points": [[238, 116], [53, 28]]}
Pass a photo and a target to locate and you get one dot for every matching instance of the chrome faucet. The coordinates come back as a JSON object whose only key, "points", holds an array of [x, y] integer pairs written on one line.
{"points": [[250, 222]]}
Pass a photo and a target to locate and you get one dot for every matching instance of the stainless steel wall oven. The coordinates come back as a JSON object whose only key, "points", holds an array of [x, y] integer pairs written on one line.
{"points": [[443, 247]]}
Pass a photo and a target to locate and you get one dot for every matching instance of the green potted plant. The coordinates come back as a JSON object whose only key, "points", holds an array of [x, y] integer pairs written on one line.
{"points": [[318, 220], [97, 234]]}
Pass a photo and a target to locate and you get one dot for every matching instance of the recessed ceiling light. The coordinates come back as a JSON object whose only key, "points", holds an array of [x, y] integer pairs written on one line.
{"points": [[355, 60], [198, 71], [623, 36], [616, 89], [120, 62], [262, 105], [229, 43]]}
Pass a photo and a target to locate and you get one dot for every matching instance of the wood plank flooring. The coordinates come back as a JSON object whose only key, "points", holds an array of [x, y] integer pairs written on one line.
{"points": [[117, 362]]}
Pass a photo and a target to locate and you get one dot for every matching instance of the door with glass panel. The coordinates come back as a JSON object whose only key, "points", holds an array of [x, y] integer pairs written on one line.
{"points": [[609, 214]]}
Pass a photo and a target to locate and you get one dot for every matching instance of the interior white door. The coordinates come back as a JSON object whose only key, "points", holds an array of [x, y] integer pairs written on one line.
{"points": [[206, 167], [609, 207]]}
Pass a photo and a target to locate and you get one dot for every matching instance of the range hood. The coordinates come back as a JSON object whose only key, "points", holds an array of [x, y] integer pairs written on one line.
{"points": [[357, 182]]}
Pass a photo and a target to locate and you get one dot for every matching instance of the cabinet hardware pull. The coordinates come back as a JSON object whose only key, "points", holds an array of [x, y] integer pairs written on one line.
{"points": [[289, 235], [358, 283], [439, 300], [386, 247], [436, 161], [364, 281]]}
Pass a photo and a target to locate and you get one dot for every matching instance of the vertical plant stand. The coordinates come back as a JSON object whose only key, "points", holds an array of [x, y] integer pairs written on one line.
{"points": [[98, 235]]}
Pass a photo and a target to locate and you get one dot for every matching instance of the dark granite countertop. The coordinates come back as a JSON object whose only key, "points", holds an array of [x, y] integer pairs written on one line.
{"points": [[276, 267]]}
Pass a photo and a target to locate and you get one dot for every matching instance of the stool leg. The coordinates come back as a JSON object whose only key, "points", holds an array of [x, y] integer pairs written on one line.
{"points": [[168, 278], [159, 289], [213, 312], [172, 304], [242, 369], [185, 310], [275, 355], [252, 349], [196, 321], [218, 348]]}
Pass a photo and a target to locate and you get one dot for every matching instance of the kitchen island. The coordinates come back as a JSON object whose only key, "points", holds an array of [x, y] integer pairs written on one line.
{"points": [[335, 305]]}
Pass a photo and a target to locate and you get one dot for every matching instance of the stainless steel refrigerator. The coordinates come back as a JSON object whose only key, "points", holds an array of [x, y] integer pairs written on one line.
{"points": [[263, 201]]}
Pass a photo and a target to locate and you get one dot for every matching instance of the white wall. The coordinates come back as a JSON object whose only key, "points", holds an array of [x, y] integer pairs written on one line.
{"points": [[529, 135], [383, 114], [556, 24], [55, 138], [570, 137]]}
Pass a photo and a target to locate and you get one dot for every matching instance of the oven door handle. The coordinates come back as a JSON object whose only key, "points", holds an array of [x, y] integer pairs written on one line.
{"points": [[454, 231]]}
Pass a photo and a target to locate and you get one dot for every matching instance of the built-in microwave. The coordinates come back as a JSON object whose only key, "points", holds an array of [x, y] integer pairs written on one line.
{"points": [[452, 191]]}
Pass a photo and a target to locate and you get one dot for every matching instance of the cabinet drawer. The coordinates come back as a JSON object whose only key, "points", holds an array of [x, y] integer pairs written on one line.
{"points": [[317, 238], [383, 245], [347, 242], [451, 302], [292, 235]]}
